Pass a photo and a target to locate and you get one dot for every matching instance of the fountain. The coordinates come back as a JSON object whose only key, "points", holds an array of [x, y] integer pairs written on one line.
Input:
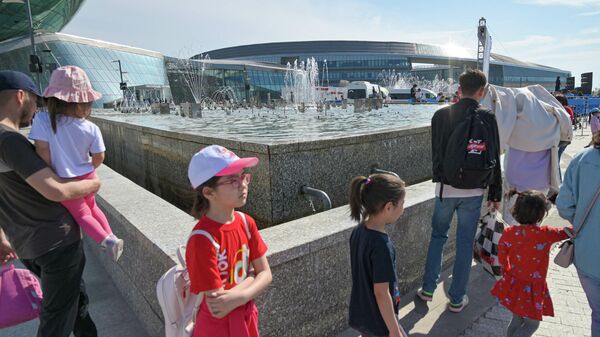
{"points": [[192, 71], [300, 83], [402, 80], [131, 104], [325, 75]]}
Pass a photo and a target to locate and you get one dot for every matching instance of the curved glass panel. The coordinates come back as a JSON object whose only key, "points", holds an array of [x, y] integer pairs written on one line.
{"points": [[48, 15]]}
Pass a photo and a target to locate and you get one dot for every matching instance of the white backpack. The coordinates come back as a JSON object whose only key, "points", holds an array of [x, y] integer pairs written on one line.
{"points": [[179, 305]]}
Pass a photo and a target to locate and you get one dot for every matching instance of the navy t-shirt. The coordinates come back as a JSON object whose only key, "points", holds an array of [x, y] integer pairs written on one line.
{"points": [[373, 260]]}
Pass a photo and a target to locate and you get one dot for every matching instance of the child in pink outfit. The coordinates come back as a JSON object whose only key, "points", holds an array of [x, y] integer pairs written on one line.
{"points": [[64, 138]]}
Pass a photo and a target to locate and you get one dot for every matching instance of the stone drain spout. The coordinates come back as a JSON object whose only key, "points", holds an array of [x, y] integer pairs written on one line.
{"points": [[313, 192], [378, 170]]}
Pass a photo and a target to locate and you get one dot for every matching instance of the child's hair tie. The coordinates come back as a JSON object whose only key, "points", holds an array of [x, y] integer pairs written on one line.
{"points": [[367, 181]]}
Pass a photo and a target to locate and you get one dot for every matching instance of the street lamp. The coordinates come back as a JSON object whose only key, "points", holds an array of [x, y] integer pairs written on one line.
{"points": [[49, 66], [34, 61], [122, 85]]}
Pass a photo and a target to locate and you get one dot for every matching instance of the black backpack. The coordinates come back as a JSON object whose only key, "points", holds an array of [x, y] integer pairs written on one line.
{"points": [[470, 156]]}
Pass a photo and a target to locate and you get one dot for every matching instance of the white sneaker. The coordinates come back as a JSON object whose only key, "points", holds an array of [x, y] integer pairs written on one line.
{"points": [[113, 247], [453, 307]]}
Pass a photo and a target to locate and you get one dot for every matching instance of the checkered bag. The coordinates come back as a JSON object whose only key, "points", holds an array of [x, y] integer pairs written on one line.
{"points": [[485, 248]]}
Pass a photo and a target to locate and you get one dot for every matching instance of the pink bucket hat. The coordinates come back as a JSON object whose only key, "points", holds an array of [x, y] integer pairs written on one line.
{"points": [[71, 84]]}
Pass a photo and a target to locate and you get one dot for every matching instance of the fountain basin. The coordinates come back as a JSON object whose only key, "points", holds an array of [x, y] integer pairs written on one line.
{"points": [[156, 155]]}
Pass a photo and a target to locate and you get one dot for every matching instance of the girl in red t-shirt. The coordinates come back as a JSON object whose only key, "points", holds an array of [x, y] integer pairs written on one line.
{"points": [[523, 252], [226, 246]]}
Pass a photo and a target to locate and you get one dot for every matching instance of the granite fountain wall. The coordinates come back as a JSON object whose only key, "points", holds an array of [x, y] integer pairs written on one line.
{"points": [[309, 257], [157, 160]]}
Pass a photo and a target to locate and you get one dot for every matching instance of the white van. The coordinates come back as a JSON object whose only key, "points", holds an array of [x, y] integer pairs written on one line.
{"points": [[361, 89], [403, 96]]}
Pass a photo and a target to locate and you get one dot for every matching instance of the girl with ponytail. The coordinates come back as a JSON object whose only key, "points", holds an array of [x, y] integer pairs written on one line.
{"points": [[375, 201]]}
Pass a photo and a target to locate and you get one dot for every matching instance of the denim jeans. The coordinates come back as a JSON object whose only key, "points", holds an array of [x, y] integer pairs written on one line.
{"points": [[468, 211], [561, 149], [591, 287]]}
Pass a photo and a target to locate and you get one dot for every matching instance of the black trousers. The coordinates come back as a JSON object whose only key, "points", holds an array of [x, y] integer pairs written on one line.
{"points": [[65, 303]]}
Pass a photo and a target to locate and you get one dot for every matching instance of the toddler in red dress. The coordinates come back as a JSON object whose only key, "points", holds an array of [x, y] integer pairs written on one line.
{"points": [[524, 252]]}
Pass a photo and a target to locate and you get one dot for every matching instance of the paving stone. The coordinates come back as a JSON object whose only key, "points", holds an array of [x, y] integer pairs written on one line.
{"points": [[572, 311]]}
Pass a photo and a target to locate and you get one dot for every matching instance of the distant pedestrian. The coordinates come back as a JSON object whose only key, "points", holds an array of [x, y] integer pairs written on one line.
{"points": [[455, 98], [413, 93], [419, 95], [563, 144]]}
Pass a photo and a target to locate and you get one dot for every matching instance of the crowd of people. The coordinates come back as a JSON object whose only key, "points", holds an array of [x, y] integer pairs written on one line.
{"points": [[47, 199]]}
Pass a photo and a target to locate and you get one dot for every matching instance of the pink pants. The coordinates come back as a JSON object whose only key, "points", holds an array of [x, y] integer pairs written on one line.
{"points": [[88, 215]]}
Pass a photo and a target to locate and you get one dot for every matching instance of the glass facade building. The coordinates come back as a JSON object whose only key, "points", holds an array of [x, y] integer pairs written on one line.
{"points": [[371, 60], [338, 67], [142, 69], [228, 79]]}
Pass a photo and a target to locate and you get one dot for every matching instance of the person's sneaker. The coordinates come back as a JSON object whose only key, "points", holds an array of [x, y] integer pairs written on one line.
{"points": [[424, 295], [454, 307], [113, 247]]}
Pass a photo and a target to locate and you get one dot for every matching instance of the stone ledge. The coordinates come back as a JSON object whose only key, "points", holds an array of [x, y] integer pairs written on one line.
{"points": [[309, 257], [292, 239]]}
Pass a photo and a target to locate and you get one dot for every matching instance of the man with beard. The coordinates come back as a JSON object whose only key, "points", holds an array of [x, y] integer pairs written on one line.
{"points": [[34, 227]]}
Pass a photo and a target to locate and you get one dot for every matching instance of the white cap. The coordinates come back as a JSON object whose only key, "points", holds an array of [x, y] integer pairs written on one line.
{"points": [[215, 160]]}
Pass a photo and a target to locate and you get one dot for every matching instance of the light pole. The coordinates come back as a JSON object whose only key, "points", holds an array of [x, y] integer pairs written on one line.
{"points": [[122, 85], [34, 60], [484, 47]]}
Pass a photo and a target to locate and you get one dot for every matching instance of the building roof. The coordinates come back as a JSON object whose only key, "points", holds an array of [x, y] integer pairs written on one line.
{"points": [[41, 38], [421, 52], [47, 15]]}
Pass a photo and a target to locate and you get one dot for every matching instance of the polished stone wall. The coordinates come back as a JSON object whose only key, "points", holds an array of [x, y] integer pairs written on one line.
{"points": [[157, 160], [309, 257]]}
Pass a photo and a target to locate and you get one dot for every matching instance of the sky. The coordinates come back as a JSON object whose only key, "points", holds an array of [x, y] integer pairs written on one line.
{"points": [[563, 34]]}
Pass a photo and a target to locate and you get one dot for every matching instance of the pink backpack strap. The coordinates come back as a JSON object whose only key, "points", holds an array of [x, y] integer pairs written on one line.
{"points": [[180, 250], [207, 235], [245, 220]]}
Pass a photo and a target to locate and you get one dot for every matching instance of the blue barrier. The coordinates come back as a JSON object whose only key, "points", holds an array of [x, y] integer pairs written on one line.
{"points": [[583, 105], [593, 102]]}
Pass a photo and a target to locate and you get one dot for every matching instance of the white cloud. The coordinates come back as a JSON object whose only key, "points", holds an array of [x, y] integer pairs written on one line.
{"points": [[575, 53], [185, 23], [532, 40], [589, 13], [589, 31], [557, 46]]}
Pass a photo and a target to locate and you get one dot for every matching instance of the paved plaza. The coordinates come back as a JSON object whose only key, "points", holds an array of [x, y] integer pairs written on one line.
{"points": [[483, 317]]}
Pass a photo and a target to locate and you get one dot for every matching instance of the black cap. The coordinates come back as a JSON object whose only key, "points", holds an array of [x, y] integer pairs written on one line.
{"points": [[15, 80]]}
